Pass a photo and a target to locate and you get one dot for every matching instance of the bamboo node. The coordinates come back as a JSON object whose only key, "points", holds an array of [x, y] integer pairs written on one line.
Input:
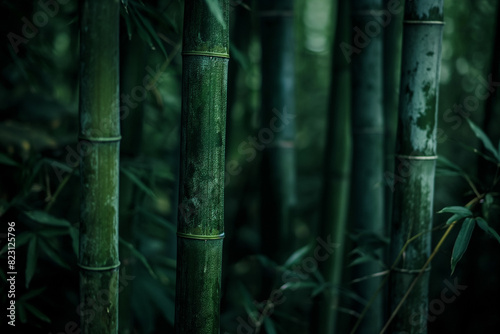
{"points": [[417, 157], [411, 271], [200, 237], [100, 139], [423, 22], [114, 266], [206, 54]]}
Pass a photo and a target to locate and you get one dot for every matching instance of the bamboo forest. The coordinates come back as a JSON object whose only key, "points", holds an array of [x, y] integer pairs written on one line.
{"points": [[250, 166]]}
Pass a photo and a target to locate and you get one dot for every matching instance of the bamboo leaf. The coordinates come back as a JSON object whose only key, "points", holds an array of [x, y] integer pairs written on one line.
{"points": [[462, 242], [216, 10], [444, 162], [138, 182], [266, 262], [37, 313], [458, 210], [484, 139], [139, 256], [269, 326], [30, 294], [297, 255], [299, 285], [5, 160], [74, 233], [43, 217], [22, 313], [31, 260], [126, 16], [487, 228], [152, 32], [158, 220], [52, 254], [453, 218], [21, 239]]}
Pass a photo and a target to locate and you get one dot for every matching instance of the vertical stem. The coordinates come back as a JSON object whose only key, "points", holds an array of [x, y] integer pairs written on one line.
{"points": [[276, 136], [367, 196], [99, 140], [132, 73], [337, 166], [201, 193], [392, 66], [415, 161]]}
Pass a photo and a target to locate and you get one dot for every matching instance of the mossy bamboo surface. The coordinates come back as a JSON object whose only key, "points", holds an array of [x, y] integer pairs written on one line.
{"points": [[99, 142], [415, 161], [201, 192]]}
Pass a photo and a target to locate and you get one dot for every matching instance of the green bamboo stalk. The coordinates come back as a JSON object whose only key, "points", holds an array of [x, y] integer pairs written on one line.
{"points": [[201, 192], [277, 97], [392, 66], [415, 161], [367, 194], [100, 142], [132, 72], [337, 168]]}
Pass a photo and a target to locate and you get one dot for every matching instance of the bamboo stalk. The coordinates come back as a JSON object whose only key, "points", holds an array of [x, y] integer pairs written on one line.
{"points": [[201, 193], [100, 142], [337, 166], [392, 66], [132, 64], [415, 160], [367, 194], [278, 158]]}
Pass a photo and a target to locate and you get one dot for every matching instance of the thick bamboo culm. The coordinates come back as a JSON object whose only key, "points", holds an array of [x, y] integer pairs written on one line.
{"points": [[415, 161], [200, 228], [99, 142]]}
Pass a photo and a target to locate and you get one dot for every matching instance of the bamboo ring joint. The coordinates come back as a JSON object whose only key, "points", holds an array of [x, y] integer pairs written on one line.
{"points": [[114, 266], [100, 139], [206, 54], [200, 237], [417, 157], [423, 22]]}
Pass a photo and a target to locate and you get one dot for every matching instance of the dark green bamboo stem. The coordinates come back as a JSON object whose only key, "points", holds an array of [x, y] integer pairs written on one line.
{"points": [[337, 167], [277, 97], [415, 160], [392, 66], [99, 139], [201, 192], [367, 195], [132, 65]]}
